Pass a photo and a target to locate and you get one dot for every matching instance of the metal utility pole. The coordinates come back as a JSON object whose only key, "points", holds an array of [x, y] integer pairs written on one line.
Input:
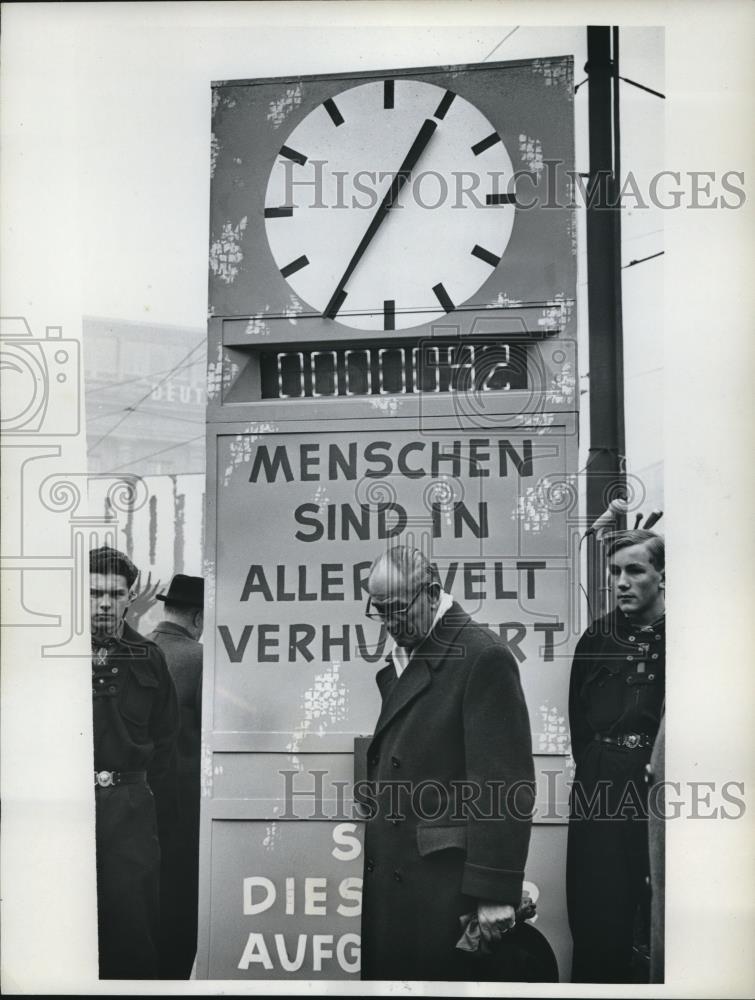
{"points": [[605, 466]]}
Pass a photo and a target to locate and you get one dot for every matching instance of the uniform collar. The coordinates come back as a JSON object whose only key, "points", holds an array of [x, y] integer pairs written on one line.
{"points": [[126, 638], [105, 642], [626, 623]]}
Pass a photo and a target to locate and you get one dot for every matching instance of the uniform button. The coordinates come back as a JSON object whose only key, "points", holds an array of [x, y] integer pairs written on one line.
{"points": [[370, 866], [114, 670], [101, 680], [651, 677], [373, 761], [630, 680], [654, 656], [647, 880], [395, 762], [631, 638], [112, 689], [630, 658], [658, 638], [397, 876]]}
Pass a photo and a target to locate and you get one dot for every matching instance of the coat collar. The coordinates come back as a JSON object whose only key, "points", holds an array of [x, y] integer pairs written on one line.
{"points": [[173, 629], [435, 648]]}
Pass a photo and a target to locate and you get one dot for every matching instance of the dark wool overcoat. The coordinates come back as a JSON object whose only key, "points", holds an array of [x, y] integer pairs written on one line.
{"points": [[452, 749], [180, 871]]}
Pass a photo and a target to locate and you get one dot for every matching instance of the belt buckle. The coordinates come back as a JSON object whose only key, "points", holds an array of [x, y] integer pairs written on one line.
{"points": [[104, 778], [632, 741]]}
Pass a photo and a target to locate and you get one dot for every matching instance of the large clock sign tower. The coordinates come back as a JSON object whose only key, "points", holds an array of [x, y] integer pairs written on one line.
{"points": [[392, 357]]}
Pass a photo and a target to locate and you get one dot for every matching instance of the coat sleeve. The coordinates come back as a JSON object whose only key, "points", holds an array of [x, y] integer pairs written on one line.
{"points": [[162, 773], [579, 727], [498, 748]]}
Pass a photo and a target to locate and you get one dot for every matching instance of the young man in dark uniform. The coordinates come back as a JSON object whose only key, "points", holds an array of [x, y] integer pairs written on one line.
{"points": [[135, 715], [615, 706]]}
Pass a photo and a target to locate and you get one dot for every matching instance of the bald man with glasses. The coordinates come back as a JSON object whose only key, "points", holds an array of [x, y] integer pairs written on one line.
{"points": [[450, 782]]}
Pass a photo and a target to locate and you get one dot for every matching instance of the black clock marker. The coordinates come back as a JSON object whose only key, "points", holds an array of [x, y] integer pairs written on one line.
{"points": [[388, 91], [500, 199], [291, 154], [282, 212], [482, 254], [295, 265], [445, 104], [483, 144], [389, 314], [443, 297], [335, 115]]}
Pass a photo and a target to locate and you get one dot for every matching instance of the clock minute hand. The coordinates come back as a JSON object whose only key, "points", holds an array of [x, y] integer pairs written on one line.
{"points": [[383, 208]]}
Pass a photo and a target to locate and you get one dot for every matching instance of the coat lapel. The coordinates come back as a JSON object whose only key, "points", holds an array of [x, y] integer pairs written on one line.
{"points": [[403, 691], [400, 692]]}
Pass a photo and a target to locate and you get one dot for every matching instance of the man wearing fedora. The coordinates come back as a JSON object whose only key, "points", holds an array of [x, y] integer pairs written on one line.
{"points": [[177, 635]]}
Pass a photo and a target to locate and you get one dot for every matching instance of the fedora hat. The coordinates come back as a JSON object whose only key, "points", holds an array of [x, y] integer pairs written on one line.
{"points": [[188, 590]]}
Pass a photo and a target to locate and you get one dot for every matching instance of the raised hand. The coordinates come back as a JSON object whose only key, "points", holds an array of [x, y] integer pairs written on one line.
{"points": [[143, 600]]}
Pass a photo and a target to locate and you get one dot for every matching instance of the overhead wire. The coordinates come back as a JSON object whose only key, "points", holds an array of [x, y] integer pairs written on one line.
{"points": [[132, 409], [505, 38], [153, 454], [163, 416], [143, 378], [641, 86], [642, 260]]}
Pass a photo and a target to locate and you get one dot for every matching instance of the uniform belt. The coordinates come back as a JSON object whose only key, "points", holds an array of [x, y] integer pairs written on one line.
{"points": [[107, 778], [631, 741]]}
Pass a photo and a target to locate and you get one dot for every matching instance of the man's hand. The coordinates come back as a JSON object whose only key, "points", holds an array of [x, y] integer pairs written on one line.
{"points": [[143, 598], [494, 919]]}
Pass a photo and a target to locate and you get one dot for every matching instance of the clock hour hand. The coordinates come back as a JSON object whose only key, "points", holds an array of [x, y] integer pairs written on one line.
{"points": [[382, 210]]}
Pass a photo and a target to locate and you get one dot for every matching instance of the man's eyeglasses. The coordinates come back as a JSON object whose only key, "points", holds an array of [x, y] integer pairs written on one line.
{"points": [[377, 610]]}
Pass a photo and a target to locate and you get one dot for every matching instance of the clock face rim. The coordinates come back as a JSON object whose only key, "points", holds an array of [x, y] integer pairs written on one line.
{"points": [[442, 305]]}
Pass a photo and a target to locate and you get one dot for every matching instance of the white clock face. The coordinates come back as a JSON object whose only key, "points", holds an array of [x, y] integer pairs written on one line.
{"points": [[388, 205]]}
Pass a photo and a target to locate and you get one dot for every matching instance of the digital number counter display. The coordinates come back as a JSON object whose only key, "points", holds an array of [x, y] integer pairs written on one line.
{"points": [[377, 370]]}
